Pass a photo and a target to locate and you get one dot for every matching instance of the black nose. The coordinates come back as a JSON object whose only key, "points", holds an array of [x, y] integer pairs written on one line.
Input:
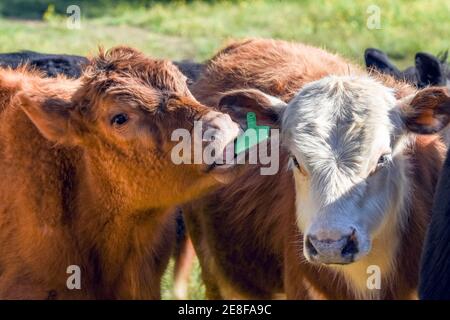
{"points": [[351, 246], [331, 251]]}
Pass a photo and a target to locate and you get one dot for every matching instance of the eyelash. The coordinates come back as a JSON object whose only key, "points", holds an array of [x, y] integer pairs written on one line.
{"points": [[385, 159], [298, 166], [294, 160]]}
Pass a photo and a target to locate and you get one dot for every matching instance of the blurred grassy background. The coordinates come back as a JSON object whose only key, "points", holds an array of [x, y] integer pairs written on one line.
{"points": [[196, 29]]}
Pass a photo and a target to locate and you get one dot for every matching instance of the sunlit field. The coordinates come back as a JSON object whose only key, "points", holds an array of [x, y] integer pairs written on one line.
{"points": [[195, 30]]}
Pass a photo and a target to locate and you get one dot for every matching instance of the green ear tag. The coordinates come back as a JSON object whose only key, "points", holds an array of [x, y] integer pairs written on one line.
{"points": [[252, 136]]}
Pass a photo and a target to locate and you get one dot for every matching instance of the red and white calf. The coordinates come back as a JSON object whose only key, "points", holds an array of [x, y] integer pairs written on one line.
{"points": [[357, 201]]}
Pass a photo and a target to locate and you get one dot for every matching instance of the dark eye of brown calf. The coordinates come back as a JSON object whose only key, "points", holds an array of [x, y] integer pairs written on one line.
{"points": [[119, 119]]}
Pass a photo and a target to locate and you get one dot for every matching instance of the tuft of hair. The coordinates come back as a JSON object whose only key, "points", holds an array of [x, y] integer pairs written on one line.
{"points": [[401, 87], [121, 65]]}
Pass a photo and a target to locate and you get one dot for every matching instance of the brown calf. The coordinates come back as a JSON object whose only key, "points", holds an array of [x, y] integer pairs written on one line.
{"points": [[87, 178], [246, 233]]}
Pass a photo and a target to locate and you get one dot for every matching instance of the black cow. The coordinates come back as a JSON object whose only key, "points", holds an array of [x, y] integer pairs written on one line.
{"points": [[51, 64], [72, 66], [190, 69], [434, 281], [428, 69]]}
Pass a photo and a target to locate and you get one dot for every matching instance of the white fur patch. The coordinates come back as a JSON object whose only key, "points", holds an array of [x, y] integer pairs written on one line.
{"points": [[337, 128]]}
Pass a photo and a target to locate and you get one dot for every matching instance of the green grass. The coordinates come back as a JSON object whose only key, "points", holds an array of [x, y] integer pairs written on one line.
{"points": [[196, 287], [195, 30]]}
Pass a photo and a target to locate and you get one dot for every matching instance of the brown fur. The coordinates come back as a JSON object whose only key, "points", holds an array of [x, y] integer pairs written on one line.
{"points": [[245, 234], [275, 67], [431, 110], [76, 190]]}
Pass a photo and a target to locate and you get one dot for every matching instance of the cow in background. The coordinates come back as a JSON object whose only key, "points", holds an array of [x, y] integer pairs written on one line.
{"points": [[429, 70], [50, 64], [72, 65], [435, 266]]}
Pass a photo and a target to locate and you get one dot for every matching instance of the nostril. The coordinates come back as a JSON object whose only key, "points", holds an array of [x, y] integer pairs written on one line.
{"points": [[351, 246], [310, 247]]}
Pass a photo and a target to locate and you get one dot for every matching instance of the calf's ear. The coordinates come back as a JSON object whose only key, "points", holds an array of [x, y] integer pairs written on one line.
{"points": [[430, 70], [428, 111], [51, 115], [238, 103]]}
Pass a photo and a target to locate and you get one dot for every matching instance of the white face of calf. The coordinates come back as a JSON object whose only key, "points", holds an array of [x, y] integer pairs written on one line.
{"points": [[345, 135]]}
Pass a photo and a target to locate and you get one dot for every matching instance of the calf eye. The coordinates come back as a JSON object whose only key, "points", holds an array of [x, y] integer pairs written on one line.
{"points": [[298, 166], [384, 159], [119, 119], [294, 159]]}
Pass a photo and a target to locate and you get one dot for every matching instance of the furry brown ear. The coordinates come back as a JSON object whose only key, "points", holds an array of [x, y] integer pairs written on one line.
{"points": [[428, 112], [50, 115], [238, 103]]}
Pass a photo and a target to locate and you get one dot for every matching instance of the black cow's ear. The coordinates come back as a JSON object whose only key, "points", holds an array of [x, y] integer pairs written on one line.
{"points": [[237, 103], [443, 56], [430, 70], [428, 111], [378, 60]]}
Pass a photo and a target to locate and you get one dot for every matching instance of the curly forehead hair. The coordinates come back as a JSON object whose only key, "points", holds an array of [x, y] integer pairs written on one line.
{"points": [[128, 72], [120, 65]]}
